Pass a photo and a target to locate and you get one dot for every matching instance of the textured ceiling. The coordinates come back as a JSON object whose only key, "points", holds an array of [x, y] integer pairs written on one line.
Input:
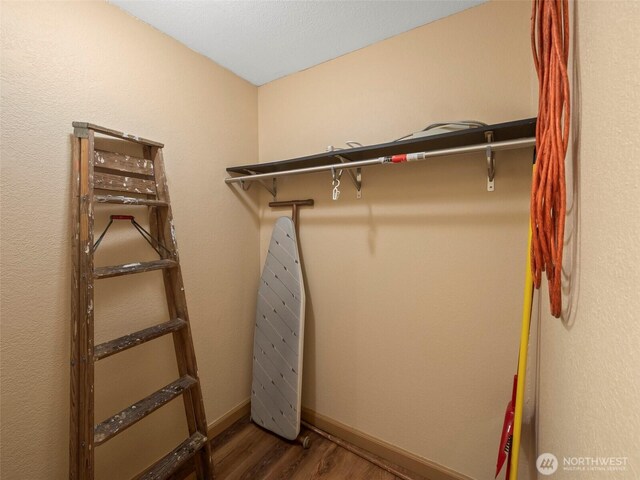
{"points": [[265, 40]]}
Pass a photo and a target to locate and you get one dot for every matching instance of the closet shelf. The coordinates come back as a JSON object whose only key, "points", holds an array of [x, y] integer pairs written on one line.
{"points": [[501, 136]]}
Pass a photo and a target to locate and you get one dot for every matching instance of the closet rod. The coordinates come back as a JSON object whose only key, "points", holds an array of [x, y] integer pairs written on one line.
{"points": [[481, 147]]}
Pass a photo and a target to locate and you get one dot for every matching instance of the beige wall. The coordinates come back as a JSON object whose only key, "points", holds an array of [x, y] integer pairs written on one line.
{"points": [[415, 290], [589, 363], [92, 62]]}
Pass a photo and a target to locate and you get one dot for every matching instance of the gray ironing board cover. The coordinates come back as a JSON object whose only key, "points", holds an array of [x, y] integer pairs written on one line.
{"points": [[279, 335]]}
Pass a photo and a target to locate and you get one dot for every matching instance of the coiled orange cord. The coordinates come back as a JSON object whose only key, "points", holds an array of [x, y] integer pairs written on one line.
{"points": [[550, 46]]}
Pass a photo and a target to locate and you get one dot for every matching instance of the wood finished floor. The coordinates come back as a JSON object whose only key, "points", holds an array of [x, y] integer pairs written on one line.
{"points": [[247, 452]]}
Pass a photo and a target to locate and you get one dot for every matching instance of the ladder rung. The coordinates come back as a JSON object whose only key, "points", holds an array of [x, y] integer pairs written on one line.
{"points": [[120, 162], [122, 200], [133, 339], [132, 414], [128, 268], [122, 183], [168, 464]]}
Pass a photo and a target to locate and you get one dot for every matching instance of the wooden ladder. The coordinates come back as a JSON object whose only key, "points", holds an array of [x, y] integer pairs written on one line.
{"points": [[137, 181]]}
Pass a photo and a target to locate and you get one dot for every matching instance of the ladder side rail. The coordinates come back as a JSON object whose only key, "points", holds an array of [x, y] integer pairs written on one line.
{"points": [[85, 311], [176, 302], [156, 218], [74, 368]]}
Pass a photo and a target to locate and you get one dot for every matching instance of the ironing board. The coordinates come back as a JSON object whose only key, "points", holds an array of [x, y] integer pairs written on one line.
{"points": [[279, 335]]}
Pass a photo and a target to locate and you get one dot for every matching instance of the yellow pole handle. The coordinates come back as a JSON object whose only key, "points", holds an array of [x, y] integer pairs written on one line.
{"points": [[522, 362]]}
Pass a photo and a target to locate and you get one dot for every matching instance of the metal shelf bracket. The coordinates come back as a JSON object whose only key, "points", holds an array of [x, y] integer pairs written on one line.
{"points": [[273, 190], [356, 178], [491, 165]]}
